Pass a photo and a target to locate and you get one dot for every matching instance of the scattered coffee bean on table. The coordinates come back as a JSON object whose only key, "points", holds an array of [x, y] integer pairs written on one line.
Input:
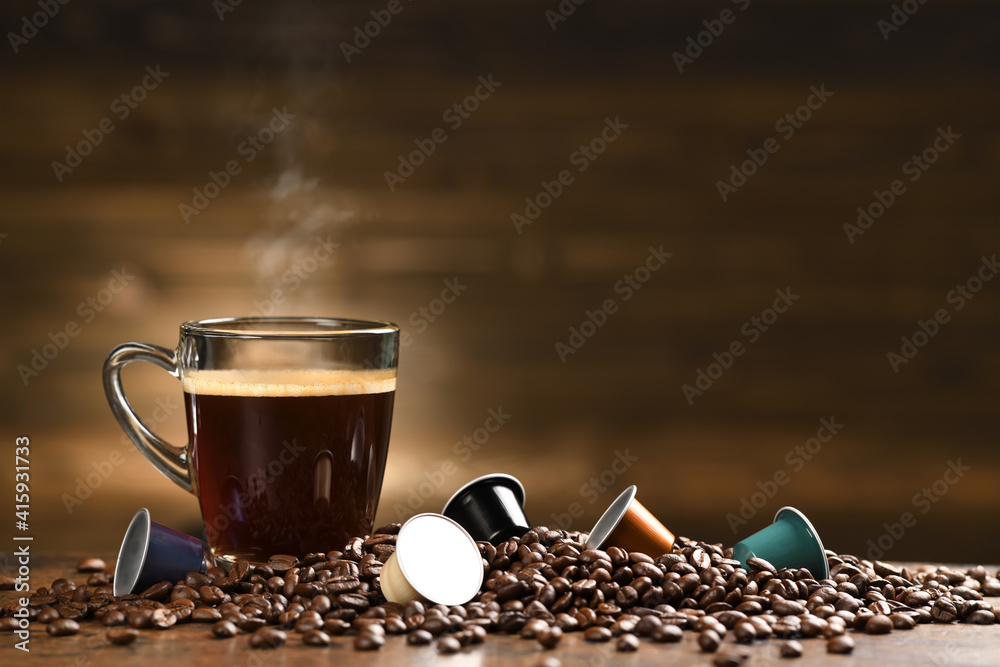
{"points": [[840, 644], [539, 586], [91, 565], [121, 636], [63, 627]]}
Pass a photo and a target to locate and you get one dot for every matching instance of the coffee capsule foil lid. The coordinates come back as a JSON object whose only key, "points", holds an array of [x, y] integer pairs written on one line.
{"points": [[611, 518], [435, 560]]}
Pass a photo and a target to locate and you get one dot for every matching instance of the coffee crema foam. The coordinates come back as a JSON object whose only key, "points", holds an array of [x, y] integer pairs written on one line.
{"points": [[290, 382]]}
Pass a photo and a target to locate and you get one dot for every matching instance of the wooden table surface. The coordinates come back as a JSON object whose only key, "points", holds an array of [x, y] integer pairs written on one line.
{"points": [[932, 644]]}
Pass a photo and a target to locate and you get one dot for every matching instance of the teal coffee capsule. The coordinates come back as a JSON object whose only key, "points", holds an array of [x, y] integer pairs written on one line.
{"points": [[791, 541]]}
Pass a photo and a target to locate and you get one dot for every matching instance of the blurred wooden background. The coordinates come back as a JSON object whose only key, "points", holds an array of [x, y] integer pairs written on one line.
{"points": [[495, 345]]}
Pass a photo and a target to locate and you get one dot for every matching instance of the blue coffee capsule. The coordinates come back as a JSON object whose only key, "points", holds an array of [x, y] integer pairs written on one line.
{"points": [[151, 553], [490, 508]]}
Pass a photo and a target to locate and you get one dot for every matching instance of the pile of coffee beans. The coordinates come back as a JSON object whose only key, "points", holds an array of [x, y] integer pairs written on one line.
{"points": [[540, 587]]}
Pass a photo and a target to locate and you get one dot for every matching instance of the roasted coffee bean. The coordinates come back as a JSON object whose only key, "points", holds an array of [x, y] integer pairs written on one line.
{"points": [[163, 619], [943, 611], [790, 648], [159, 592], [840, 644], [549, 637], [205, 615], [224, 629], [879, 624], [760, 565], [597, 634], [281, 563], [49, 614], [121, 636], [627, 643], [251, 624], [267, 638], [113, 618], [709, 640], [140, 618], [370, 641], [729, 658], [419, 638], [666, 633], [316, 638], [336, 626], [91, 565], [62, 627], [448, 645]]}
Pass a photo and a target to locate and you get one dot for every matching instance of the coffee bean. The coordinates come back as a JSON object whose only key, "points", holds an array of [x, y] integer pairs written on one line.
{"points": [[419, 638], [840, 644], [49, 614], [627, 643], [162, 619], [251, 624], [760, 565], [91, 565], [224, 629], [267, 638], [281, 563], [729, 658], [943, 611], [709, 641], [369, 641], [159, 592], [790, 648], [121, 636], [205, 615], [981, 617], [549, 637], [597, 634], [62, 627], [141, 618], [879, 624], [316, 638], [666, 633]]}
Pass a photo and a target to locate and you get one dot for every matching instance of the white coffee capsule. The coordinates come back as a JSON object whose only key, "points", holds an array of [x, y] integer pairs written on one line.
{"points": [[435, 561]]}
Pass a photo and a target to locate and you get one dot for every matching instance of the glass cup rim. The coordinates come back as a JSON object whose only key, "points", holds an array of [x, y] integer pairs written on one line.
{"points": [[321, 328]]}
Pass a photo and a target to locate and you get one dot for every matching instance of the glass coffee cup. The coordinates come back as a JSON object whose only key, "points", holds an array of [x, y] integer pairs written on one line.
{"points": [[288, 425]]}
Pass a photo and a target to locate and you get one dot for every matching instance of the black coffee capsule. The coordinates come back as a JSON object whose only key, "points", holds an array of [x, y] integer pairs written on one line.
{"points": [[490, 508]]}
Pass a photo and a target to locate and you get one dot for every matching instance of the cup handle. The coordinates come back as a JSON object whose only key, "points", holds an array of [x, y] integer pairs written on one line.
{"points": [[169, 459]]}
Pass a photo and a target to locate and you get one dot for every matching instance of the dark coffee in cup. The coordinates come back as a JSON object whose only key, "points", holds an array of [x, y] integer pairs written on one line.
{"points": [[287, 461]]}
